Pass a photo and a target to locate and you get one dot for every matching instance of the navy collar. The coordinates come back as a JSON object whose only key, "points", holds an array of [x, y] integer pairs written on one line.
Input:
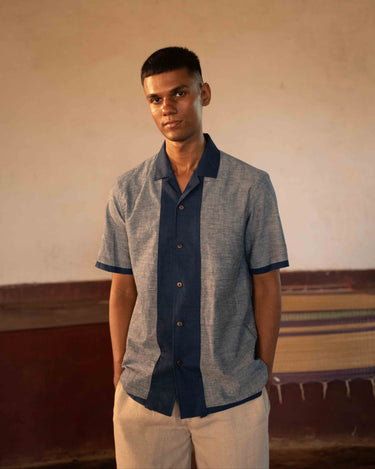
{"points": [[208, 165]]}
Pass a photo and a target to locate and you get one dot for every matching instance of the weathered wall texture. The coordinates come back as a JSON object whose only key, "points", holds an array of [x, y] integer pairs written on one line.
{"points": [[293, 93]]}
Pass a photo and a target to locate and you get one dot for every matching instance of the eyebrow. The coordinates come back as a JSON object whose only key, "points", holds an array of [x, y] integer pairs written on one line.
{"points": [[172, 91]]}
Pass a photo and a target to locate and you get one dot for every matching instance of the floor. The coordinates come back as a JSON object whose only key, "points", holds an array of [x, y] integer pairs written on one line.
{"points": [[356, 457]]}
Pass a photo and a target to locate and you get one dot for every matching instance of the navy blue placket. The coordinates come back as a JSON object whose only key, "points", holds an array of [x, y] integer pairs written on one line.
{"points": [[177, 371], [187, 331], [162, 394]]}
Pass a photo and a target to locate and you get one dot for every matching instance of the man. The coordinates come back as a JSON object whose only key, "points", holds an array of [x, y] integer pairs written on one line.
{"points": [[194, 241]]}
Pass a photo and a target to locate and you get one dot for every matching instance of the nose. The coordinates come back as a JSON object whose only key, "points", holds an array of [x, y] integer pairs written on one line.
{"points": [[168, 107]]}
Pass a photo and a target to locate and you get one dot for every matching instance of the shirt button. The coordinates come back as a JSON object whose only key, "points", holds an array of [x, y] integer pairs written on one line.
{"points": [[181, 207], [179, 362], [179, 245], [179, 284], [179, 323]]}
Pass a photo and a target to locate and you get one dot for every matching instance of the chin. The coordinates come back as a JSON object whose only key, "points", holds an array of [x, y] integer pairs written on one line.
{"points": [[178, 136], [175, 136]]}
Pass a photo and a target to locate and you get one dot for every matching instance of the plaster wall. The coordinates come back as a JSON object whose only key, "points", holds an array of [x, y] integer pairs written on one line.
{"points": [[293, 93]]}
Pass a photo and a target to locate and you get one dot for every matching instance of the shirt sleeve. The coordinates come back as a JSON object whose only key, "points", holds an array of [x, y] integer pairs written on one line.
{"points": [[114, 249], [266, 248]]}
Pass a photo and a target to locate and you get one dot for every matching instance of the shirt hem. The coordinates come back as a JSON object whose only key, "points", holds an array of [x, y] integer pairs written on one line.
{"points": [[210, 410]]}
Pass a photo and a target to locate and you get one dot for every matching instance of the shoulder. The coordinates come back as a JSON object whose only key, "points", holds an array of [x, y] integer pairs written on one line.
{"points": [[131, 182], [241, 173], [137, 175]]}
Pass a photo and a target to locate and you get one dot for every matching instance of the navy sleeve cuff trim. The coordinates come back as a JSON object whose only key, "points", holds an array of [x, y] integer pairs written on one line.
{"points": [[268, 268], [111, 268]]}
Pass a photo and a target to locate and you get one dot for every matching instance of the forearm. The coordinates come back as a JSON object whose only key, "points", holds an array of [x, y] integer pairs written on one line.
{"points": [[121, 304], [267, 310]]}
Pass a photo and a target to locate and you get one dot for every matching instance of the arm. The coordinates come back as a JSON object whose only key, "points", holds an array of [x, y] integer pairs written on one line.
{"points": [[267, 309], [121, 304]]}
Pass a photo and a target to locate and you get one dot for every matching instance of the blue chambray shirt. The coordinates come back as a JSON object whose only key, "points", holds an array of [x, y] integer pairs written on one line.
{"points": [[192, 334]]}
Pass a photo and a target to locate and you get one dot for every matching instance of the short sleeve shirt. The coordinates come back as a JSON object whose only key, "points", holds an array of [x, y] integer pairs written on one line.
{"points": [[192, 334]]}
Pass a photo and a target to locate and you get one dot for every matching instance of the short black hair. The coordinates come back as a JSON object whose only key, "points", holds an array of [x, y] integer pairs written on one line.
{"points": [[171, 58]]}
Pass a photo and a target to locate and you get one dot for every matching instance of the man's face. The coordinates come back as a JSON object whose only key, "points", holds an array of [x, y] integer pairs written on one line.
{"points": [[176, 99]]}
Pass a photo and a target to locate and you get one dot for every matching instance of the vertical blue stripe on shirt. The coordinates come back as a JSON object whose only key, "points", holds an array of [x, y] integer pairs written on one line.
{"points": [[177, 372]]}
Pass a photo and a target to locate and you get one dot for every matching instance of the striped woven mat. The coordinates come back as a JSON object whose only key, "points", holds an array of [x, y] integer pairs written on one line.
{"points": [[325, 337]]}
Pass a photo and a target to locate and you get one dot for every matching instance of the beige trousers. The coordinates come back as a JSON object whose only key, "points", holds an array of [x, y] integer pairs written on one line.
{"points": [[236, 438]]}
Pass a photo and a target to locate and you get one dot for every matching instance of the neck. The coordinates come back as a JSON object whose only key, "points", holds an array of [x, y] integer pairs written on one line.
{"points": [[185, 156]]}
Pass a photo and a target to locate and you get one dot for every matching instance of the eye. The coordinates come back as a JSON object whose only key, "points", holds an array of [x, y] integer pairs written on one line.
{"points": [[180, 93], [155, 100]]}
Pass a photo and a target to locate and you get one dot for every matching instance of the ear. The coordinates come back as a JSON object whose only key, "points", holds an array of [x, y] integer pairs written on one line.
{"points": [[205, 94]]}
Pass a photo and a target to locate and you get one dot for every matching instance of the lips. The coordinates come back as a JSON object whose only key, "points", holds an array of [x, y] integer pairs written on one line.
{"points": [[171, 124]]}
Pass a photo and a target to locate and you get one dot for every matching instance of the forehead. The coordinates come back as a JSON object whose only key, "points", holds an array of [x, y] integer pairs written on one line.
{"points": [[167, 81]]}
